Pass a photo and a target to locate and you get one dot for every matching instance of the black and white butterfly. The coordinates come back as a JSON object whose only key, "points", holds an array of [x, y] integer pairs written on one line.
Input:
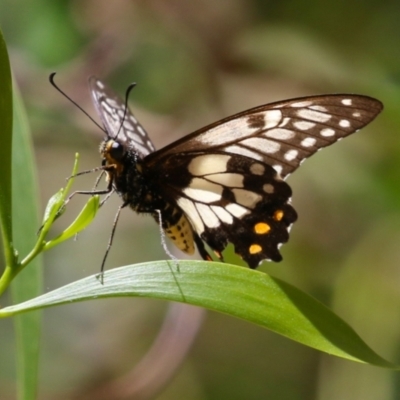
{"points": [[225, 182]]}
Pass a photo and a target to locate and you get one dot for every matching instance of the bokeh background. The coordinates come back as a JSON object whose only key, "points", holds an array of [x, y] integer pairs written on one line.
{"points": [[196, 62]]}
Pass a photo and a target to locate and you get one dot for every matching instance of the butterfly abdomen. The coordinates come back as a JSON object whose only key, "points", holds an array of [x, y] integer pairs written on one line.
{"points": [[177, 227]]}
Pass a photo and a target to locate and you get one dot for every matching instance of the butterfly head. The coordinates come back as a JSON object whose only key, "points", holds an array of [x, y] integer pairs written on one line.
{"points": [[113, 153], [112, 150]]}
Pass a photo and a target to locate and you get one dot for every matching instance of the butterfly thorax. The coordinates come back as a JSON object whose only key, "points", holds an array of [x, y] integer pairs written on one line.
{"points": [[139, 190], [125, 171]]}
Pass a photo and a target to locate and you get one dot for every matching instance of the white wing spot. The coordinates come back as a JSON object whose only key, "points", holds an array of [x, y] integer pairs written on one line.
{"points": [[244, 152], [246, 198], [208, 164], [108, 108], [141, 130], [237, 129], [201, 190], [356, 114], [236, 210], [257, 169], [308, 142], [191, 212], [281, 134], [208, 216], [227, 179], [112, 103], [344, 123], [291, 155], [327, 132], [278, 168], [301, 104], [285, 121], [272, 118], [304, 125], [266, 146], [268, 188], [347, 102], [313, 115], [222, 214], [318, 108], [202, 195]]}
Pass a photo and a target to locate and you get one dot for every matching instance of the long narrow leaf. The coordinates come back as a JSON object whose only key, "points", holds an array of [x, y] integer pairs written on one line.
{"points": [[251, 295], [6, 116], [29, 282]]}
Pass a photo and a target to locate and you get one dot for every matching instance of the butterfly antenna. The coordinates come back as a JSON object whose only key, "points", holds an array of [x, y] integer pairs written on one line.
{"points": [[51, 79], [127, 93]]}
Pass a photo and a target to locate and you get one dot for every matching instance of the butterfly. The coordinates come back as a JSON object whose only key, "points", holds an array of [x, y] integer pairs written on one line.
{"points": [[224, 183]]}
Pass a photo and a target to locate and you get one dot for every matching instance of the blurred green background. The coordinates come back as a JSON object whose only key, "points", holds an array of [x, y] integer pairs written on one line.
{"points": [[196, 62]]}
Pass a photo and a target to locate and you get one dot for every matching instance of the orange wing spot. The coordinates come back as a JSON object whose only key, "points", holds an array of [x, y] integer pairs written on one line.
{"points": [[261, 228], [255, 248], [278, 215]]}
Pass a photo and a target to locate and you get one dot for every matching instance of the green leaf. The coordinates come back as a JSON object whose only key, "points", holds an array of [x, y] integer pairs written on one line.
{"points": [[84, 218], [52, 210], [6, 118], [16, 202], [25, 224], [240, 292]]}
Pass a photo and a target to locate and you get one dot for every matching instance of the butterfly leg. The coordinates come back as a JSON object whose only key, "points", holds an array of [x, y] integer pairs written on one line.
{"points": [[162, 235], [110, 241], [108, 191]]}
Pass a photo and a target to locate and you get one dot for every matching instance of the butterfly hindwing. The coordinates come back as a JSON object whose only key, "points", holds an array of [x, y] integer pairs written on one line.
{"points": [[230, 198]]}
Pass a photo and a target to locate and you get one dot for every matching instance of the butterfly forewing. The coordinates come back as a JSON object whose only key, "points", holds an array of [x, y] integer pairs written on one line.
{"points": [[224, 183], [118, 120], [283, 134]]}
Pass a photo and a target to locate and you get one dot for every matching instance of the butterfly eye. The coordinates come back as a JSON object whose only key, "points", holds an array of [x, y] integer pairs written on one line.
{"points": [[116, 151]]}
